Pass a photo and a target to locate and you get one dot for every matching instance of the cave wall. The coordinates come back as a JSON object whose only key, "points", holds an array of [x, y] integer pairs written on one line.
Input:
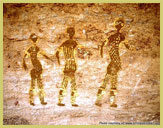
{"points": [[138, 95]]}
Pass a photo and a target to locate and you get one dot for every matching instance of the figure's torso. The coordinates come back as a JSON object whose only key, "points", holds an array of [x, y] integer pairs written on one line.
{"points": [[113, 42], [33, 51], [68, 51]]}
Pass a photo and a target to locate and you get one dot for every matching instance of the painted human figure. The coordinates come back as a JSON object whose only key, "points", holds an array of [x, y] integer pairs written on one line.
{"points": [[68, 49], [114, 66], [33, 51]]}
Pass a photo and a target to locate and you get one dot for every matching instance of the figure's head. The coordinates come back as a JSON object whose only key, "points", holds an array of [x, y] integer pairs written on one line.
{"points": [[119, 23], [71, 31], [34, 37]]}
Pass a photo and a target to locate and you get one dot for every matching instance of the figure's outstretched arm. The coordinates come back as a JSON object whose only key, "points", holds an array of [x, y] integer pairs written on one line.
{"points": [[57, 56], [128, 46], [79, 46], [24, 64], [82, 50], [59, 49], [102, 46], [43, 53]]}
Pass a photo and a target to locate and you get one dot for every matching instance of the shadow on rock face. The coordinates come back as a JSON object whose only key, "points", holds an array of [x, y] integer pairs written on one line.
{"points": [[16, 120]]}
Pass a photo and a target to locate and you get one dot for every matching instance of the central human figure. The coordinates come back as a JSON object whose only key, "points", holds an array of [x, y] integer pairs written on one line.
{"points": [[68, 49]]}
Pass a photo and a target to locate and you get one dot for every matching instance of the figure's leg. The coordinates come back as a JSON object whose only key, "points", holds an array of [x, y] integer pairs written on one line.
{"points": [[41, 90], [102, 89], [62, 91], [31, 91], [113, 90], [73, 91]]}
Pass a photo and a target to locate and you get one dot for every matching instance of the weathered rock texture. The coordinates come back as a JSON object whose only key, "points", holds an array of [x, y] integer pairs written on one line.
{"points": [[138, 82], [16, 120]]}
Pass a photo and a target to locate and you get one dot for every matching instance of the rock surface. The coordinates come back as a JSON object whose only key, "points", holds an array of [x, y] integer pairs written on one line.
{"points": [[138, 95]]}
